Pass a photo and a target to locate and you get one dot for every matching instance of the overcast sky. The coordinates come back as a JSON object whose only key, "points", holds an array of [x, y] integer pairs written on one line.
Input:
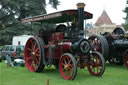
{"points": [[114, 8]]}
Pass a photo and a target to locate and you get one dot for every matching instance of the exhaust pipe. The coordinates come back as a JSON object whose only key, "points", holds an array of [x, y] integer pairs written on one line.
{"points": [[80, 8]]}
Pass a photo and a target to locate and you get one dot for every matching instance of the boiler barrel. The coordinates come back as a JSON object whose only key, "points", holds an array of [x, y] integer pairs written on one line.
{"points": [[81, 46], [120, 43]]}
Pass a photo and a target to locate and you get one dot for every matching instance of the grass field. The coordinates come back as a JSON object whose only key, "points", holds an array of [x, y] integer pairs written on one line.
{"points": [[114, 75]]}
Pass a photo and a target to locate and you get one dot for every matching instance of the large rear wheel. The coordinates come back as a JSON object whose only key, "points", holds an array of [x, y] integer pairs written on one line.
{"points": [[100, 44], [96, 64], [68, 66], [33, 55], [119, 31]]}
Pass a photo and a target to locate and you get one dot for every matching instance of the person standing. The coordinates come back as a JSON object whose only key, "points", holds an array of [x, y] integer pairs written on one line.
{"points": [[9, 61]]}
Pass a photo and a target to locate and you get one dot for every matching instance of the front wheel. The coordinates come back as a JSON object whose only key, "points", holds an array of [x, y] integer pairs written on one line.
{"points": [[68, 66], [96, 64]]}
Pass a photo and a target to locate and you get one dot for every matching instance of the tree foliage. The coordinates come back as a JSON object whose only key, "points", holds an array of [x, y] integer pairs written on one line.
{"points": [[126, 18], [11, 13]]}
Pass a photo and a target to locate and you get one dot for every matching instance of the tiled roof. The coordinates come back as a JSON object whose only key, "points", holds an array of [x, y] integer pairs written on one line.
{"points": [[103, 19]]}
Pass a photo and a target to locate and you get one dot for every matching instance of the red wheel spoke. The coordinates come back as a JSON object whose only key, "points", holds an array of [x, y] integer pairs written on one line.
{"points": [[37, 55], [65, 61], [36, 50], [96, 68], [69, 61], [71, 69], [34, 46], [98, 64], [29, 58], [97, 61], [29, 49], [67, 67], [37, 60], [33, 55], [63, 64]]}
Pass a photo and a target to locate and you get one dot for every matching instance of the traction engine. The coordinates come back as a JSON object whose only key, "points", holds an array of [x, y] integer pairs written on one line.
{"points": [[113, 46], [65, 47]]}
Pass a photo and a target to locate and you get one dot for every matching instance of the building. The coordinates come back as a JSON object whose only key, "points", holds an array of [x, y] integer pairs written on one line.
{"points": [[103, 24]]}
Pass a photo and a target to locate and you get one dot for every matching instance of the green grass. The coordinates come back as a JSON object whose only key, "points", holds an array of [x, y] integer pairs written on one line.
{"points": [[114, 75], [1, 46]]}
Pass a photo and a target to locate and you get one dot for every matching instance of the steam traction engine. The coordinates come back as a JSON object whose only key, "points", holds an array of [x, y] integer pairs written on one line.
{"points": [[65, 47], [113, 46]]}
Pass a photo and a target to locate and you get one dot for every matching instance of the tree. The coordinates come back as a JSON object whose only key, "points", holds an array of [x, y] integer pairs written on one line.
{"points": [[126, 18], [11, 13], [26, 8]]}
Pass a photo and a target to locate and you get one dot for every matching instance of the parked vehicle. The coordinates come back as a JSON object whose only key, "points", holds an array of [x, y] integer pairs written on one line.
{"points": [[0, 55], [20, 40], [15, 51], [64, 47]]}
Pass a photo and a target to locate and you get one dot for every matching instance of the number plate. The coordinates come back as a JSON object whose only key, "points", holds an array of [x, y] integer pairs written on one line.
{"points": [[21, 53]]}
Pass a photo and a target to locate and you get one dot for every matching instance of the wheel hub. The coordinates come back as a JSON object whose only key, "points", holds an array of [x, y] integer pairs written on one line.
{"points": [[33, 55], [67, 67]]}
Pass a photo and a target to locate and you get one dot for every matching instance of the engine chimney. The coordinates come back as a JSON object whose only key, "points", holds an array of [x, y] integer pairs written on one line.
{"points": [[80, 7]]}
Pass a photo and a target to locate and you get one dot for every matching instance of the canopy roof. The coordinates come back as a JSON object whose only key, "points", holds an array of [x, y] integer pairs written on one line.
{"points": [[57, 17]]}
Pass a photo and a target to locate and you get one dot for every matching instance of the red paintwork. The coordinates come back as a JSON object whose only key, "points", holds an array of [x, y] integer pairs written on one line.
{"points": [[57, 52], [66, 46], [96, 66], [56, 37], [97, 44], [126, 59], [61, 46], [66, 68], [32, 63], [57, 17], [55, 49], [73, 12]]}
